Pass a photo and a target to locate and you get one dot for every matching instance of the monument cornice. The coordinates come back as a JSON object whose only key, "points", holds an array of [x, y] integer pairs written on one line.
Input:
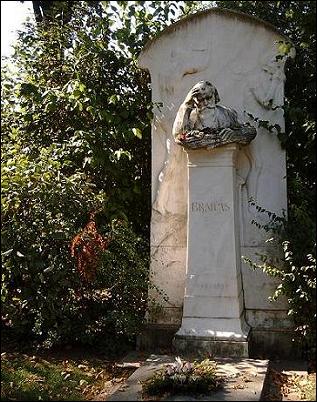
{"points": [[222, 156], [225, 12]]}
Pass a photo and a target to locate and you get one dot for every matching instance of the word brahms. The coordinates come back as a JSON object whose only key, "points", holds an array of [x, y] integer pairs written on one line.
{"points": [[205, 207]]}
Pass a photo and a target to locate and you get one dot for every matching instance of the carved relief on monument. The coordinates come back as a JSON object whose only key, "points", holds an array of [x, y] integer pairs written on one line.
{"points": [[268, 87], [203, 123]]}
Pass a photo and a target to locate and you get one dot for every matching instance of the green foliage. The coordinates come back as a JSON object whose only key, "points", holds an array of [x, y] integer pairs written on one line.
{"points": [[89, 109], [79, 89], [293, 264], [117, 298], [50, 305], [184, 377], [76, 115]]}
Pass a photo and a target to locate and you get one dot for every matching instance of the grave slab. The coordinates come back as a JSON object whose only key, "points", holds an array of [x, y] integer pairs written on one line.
{"points": [[244, 380]]}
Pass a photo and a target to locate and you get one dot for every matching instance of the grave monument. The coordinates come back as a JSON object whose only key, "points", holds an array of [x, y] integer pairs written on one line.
{"points": [[214, 76]]}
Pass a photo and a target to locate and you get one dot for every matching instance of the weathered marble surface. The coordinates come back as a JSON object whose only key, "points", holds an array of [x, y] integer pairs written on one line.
{"points": [[213, 301], [237, 53], [202, 123]]}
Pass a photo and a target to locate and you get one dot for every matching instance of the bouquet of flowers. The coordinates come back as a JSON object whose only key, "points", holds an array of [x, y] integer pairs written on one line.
{"points": [[184, 377]]}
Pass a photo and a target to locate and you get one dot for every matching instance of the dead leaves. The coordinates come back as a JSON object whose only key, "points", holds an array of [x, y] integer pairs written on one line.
{"points": [[238, 386], [66, 373], [302, 385], [291, 386], [83, 367], [242, 382], [32, 378], [86, 378], [86, 248], [100, 380]]}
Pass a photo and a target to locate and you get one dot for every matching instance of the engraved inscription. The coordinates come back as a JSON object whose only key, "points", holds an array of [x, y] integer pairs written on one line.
{"points": [[209, 207]]}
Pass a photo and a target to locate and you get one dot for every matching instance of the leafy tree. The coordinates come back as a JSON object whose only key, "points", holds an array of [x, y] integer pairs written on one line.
{"points": [[76, 139], [46, 10]]}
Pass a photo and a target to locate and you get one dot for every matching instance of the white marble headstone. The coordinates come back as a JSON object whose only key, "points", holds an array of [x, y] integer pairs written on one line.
{"points": [[237, 53]]}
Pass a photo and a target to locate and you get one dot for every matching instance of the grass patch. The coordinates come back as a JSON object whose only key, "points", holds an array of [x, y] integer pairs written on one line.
{"points": [[26, 377]]}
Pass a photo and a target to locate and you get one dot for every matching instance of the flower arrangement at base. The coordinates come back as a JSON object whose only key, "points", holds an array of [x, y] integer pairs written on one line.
{"points": [[184, 377]]}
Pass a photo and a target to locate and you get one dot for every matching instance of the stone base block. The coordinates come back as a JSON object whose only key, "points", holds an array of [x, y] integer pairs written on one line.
{"points": [[216, 348], [273, 344], [261, 343], [156, 337]]}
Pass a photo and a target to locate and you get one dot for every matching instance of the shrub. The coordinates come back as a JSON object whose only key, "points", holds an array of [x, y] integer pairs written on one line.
{"points": [[290, 257], [53, 305], [75, 139]]}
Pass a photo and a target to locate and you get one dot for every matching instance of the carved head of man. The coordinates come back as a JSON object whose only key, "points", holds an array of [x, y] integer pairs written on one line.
{"points": [[203, 95]]}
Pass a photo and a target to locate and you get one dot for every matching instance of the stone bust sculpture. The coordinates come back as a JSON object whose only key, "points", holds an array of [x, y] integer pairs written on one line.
{"points": [[202, 123]]}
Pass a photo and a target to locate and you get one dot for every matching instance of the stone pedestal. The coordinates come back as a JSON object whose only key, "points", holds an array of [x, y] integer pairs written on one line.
{"points": [[213, 303]]}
